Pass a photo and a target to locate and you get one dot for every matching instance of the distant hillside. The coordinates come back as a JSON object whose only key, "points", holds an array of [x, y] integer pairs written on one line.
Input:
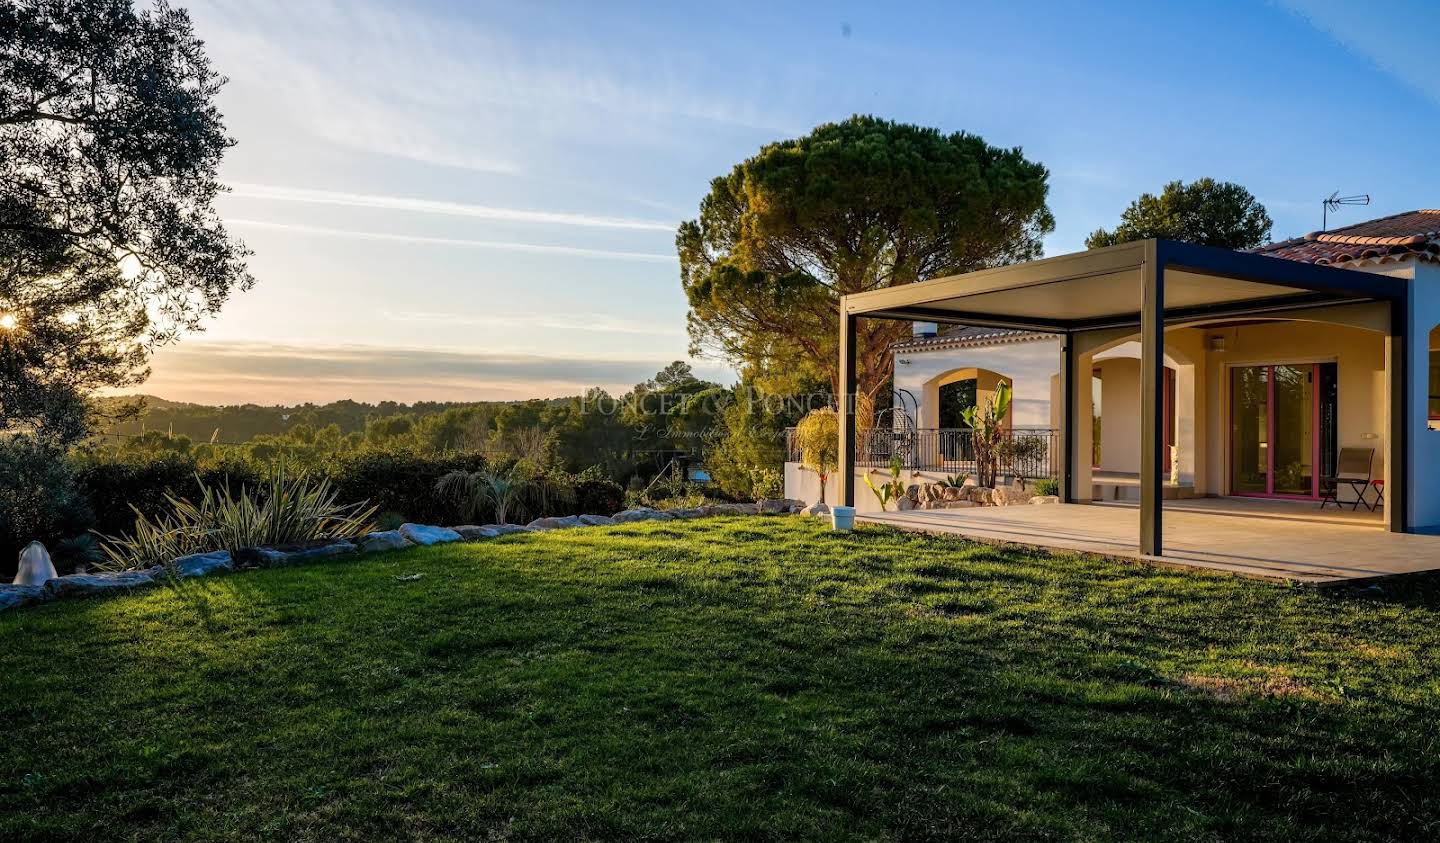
{"points": [[241, 422]]}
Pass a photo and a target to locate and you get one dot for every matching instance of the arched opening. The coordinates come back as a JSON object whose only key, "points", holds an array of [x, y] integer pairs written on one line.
{"points": [[950, 393]]}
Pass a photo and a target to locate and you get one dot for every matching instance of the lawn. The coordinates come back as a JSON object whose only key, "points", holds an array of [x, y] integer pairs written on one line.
{"points": [[724, 678]]}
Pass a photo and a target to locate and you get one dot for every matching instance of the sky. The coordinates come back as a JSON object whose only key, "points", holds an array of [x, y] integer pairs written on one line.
{"points": [[471, 200]]}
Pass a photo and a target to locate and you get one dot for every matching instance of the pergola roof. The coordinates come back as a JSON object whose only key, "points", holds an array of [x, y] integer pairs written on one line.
{"points": [[1102, 288]]}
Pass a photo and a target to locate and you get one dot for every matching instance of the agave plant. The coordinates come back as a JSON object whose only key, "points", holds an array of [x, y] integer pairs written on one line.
{"points": [[288, 509]]}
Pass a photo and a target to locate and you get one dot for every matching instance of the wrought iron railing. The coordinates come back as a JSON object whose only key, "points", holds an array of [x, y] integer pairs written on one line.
{"points": [[1023, 452]]}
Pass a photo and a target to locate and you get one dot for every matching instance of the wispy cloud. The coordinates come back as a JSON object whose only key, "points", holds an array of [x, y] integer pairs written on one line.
{"points": [[432, 206], [452, 92], [231, 372], [590, 322], [502, 245], [1393, 36]]}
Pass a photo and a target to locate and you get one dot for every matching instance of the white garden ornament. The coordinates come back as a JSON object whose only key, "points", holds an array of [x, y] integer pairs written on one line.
{"points": [[35, 565]]}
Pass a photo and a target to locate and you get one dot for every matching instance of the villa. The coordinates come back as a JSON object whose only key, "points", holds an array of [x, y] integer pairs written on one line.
{"points": [[1213, 390]]}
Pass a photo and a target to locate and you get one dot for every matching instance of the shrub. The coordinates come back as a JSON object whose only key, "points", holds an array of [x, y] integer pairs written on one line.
{"points": [[597, 495], [288, 509], [117, 488], [399, 481], [1047, 487], [38, 498]]}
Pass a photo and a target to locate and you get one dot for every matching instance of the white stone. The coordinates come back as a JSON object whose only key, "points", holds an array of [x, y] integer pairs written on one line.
{"points": [[1044, 499], [426, 535], [35, 565]]}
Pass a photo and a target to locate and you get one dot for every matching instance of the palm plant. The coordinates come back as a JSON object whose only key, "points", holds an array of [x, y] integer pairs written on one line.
{"points": [[477, 493], [986, 433]]}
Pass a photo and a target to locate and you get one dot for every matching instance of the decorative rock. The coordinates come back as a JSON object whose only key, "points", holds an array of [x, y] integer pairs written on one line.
{"points": [[780, 506], [904, 504], [15, 596], [687, 512], [35, 566], [642, 514], [94, 583], [200, 564], [555, 523], [470, 532], [506, 529], [383, 540], [293, 554], [819, 510], [597, 520], [1043, 499], [427, 535]]}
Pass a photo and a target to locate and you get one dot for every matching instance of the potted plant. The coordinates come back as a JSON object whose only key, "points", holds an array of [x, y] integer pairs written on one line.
{"points": [[818, 438]]}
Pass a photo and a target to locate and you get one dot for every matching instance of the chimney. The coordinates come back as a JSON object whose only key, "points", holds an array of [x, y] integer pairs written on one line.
{"points": [[923, 330]]}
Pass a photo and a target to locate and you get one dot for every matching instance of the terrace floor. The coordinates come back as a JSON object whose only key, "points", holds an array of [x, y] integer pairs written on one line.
{"points": [[1277, 540]]}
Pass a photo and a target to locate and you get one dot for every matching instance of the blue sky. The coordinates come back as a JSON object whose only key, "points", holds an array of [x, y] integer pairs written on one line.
{"points": [[468, 200]]}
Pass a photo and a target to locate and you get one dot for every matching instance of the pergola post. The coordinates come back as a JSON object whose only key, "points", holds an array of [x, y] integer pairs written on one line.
{"points": [[845, 400], [1397, 440], [1152, 391], [1066, 436]]}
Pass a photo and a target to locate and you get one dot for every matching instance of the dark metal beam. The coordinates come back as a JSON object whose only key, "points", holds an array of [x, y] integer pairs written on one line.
{"points": [[1069, 383], [1397, 440], [1152, 391], [845, 493], [1298, 275]]}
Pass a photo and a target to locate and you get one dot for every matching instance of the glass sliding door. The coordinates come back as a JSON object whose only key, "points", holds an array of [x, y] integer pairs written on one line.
{"points": [[1274, 430], [1250, 430]]}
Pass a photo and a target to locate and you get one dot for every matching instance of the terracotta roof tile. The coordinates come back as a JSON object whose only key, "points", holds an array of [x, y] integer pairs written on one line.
{"points": [[965, 336], [1389, 238]]}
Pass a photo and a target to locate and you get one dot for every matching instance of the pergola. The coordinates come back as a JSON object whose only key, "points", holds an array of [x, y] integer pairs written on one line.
{"points": [[1145, 285]]}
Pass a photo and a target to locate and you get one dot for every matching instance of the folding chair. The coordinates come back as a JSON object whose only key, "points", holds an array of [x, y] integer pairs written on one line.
{"points": [[1352, 469]]}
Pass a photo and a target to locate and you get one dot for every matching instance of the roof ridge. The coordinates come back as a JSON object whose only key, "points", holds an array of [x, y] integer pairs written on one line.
{"points": [[1317, 235]]}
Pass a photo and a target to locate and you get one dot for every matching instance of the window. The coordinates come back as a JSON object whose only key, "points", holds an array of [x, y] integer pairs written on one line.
{"points": [[1434, 403]]}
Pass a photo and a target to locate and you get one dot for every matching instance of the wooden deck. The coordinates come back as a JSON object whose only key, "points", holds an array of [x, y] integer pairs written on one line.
{"points": [[1273, 540]]}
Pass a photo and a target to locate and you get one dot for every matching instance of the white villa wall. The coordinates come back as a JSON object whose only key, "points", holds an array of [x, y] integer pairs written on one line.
{"points": [[1030, 364], [1120, 426]]}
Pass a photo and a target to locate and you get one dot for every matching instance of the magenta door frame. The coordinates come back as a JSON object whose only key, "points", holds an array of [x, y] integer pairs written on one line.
{"points": [[1270, 434]]}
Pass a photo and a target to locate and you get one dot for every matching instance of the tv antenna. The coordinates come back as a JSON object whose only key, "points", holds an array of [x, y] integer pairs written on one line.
{"points": [[1334, 202]]}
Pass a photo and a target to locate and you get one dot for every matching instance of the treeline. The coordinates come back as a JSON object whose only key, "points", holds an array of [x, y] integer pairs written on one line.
{"points": [[584, 449], [671, 418]]}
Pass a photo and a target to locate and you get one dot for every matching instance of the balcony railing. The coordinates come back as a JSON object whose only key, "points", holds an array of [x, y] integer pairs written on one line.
{"points": [[1025, 452]]}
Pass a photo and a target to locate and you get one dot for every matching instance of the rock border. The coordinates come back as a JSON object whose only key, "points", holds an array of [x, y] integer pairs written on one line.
{"points": [[406, 536]]}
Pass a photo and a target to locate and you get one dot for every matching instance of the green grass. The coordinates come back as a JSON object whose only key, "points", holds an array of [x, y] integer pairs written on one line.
{"points": [[725, 678]]}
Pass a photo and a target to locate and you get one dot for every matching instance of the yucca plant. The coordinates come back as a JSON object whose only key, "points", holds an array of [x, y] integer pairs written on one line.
{"points": [[289, 509]]}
